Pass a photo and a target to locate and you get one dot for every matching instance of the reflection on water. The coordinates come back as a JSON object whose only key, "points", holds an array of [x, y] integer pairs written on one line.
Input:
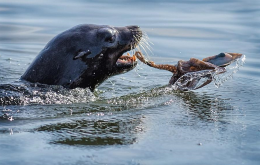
{"points": [[113, 121], [205, 107], [109, 131]]}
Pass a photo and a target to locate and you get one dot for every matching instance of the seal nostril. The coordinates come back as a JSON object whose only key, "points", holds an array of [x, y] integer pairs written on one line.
{"points": [[135, 26]]}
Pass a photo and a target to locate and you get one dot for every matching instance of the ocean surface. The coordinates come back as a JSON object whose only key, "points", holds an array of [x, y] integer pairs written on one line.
{"points": [[134, 118]]}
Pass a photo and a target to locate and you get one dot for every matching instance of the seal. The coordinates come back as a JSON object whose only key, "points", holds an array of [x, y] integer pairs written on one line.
{"points": [[85, 56]]}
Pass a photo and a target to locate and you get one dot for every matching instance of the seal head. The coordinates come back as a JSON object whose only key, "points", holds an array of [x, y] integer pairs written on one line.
{"points": [[84, 56]]}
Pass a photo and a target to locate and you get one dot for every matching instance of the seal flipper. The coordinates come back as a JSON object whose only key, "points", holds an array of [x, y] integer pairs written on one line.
{"points": [[222, 59]]}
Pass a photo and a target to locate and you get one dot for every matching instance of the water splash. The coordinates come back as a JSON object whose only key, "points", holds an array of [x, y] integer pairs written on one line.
{"points": [[59, 95], [219, 79], [195, 80], [27, 94]]}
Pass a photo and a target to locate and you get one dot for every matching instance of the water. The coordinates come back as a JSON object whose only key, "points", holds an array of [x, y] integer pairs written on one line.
{"points": [[135, 118]]}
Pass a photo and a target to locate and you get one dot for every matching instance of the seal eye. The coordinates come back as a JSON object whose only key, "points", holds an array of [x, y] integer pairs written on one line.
{"points": [[110, 39]]}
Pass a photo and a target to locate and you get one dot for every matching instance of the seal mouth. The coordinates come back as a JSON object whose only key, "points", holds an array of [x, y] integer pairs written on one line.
{"points": [[128, 60]]}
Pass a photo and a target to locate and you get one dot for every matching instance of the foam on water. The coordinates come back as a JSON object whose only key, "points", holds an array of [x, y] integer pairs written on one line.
{"points": [[27, 94], [62, 96]]}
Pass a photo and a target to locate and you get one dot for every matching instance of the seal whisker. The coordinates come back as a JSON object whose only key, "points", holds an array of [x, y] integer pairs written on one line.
{"points": [[136, 40], [147, 42], [138, 48], [148, 47], [144, 49]]}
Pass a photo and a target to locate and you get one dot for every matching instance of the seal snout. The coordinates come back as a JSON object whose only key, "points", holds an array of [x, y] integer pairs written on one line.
{"points": [[130, 37], [136, 33]]}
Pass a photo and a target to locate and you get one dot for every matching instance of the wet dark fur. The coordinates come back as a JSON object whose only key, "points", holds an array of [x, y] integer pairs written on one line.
{"points": [[83, 56]]}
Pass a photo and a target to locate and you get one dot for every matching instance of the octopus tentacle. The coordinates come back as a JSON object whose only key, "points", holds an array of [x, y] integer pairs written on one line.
{"points": [[212, 63], [168, 67]]}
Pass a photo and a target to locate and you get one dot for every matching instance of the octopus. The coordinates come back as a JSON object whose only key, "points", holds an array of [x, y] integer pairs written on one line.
{"points": [[216, 63]]}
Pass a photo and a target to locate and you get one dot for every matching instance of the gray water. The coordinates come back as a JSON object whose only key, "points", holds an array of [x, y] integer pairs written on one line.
{"points": [[134, 118]]}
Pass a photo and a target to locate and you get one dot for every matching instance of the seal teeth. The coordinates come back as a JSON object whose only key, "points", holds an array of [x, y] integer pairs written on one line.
{"points": [[134, 58]]}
